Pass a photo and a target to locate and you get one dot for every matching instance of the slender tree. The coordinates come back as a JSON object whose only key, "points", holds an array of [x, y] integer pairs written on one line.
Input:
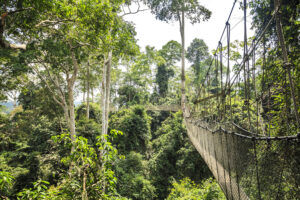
{"points": [[120, 42], [88, 91], [179, 10]]}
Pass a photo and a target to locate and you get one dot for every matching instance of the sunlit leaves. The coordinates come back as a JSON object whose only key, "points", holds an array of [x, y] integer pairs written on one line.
{"points": [[167, 10], [6, 181]]}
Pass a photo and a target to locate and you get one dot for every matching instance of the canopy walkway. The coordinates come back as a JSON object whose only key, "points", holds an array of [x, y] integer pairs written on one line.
{"points": [[246, 123], [168, 108], [171, 108]]}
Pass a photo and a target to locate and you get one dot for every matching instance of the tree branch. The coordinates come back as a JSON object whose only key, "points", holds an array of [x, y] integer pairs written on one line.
{"points": [[19, 10], [75, 71], [7, 45], [4, 44], [132, 12], [56, 83], [51, 22], [61, 103]]}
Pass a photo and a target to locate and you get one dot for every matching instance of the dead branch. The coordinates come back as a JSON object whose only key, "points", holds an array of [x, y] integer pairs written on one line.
{"points": [[48, 22], [130, 12]]}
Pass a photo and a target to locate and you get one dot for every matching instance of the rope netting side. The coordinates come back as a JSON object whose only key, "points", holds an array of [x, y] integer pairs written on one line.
{"points": [[248, 167], [249, 117]]}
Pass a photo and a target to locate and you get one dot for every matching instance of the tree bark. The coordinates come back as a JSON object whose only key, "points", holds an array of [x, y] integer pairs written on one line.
{"points": [[71, 83], [106, 92], [88, 92], [84, 91], [104, 97], [92, 93], [84, 192], [182, 34], [105, 101], [107, 96], [71, 114]]}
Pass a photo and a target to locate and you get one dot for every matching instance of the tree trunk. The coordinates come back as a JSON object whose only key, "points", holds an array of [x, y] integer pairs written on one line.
{"points": [[71, 114], [107, 96], [88, 92], [71, 83], [84, 89], [182, 34], [106, 92], [69, 123], [105, 101], [104, 97], [15, 100], [92, 93], [84, 192]]}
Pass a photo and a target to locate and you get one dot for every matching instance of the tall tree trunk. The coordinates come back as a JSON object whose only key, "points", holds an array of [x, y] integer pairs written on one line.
{"points": [[107, 96], [92, 92], [15, 100], [71, 114], [106, 92], [105, 101], [104, 97], [84, 89], [182, 34], [66, 108], [88, 92], [71, 83], [84, 192]]}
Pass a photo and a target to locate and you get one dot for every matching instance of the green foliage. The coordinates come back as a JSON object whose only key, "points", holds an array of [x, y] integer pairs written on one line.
{"points": [[162, 79], [95, 112], [137, 81], [171, 52], [167, 10], [173, 156], [39, 191], [133, 178], [188, 190], [36, 97], [90, 170], [275, 73], [135, 124], [6, 182], [26, 150], [157, 118], [197, 52], [12, 76], [130, 95], [157, 150]]}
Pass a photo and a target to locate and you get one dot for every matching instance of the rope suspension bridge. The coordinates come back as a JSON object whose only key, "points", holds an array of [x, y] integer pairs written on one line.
{"points": [[245, 124]]}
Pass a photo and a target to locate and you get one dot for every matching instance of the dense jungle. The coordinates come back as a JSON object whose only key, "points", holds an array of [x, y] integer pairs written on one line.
{"points": [[86, 113]]}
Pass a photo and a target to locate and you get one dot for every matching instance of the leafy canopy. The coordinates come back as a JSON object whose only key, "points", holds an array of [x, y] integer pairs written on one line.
{"points": [[169, 10]]}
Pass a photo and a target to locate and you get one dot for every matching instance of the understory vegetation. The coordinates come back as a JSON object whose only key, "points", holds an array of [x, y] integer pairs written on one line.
{"points": [[134, 161]]}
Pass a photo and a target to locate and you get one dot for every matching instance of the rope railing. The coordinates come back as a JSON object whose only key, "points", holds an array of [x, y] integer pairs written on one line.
{"points": [[239, 162], [245, 134], [242, 126], [223, 32]]}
